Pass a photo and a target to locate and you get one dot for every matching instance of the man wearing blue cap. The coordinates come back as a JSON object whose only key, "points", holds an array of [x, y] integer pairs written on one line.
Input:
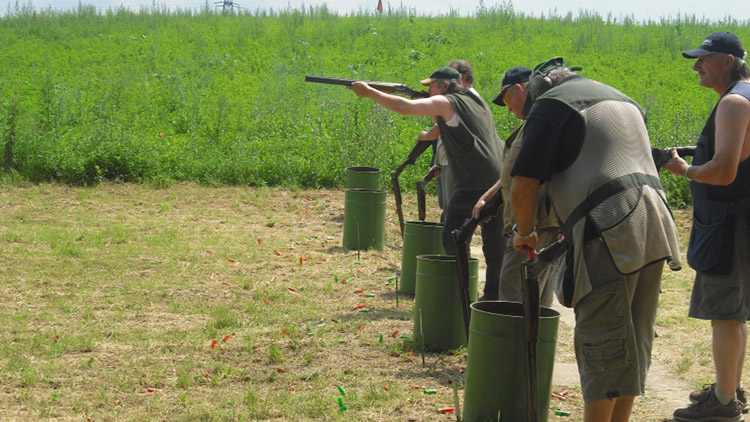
{"points": [[719, 245], [472, 147], [513, 95]]}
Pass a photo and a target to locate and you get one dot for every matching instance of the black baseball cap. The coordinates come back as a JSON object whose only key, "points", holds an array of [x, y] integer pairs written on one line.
{"points": [[516, 75], [718, 42]]}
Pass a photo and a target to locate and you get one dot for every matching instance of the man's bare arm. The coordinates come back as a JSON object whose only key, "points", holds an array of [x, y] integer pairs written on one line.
{"points": [[436, 105], [429, 135], [482, 202], [523, 201], [732, 145]]}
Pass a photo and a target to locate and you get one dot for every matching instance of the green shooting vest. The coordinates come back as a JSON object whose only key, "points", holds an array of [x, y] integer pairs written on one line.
{"points": [[473, 149]]}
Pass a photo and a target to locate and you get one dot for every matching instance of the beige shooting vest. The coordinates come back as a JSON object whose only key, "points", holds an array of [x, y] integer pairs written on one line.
{"points": [[614, 185]]}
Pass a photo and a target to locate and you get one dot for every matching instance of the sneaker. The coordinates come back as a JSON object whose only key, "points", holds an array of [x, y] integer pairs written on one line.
{"points": [[700, 395], [710, 410]]}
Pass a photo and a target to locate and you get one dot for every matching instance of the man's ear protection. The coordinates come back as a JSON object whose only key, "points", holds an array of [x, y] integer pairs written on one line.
{"points": [[540, 82]]}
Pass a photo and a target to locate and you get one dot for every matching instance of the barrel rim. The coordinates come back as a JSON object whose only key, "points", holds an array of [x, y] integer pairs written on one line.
{"points": [[442, 258], [360, 169], [366, 190], [544, 311], [423, 223]]}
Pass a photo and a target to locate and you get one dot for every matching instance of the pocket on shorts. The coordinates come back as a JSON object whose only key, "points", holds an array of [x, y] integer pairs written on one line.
{"points": [[601, 330], [604, 357], [720, 297]]}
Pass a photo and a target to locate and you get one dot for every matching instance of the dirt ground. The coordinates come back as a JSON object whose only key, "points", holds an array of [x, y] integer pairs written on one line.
{"points": [[173, 270]]}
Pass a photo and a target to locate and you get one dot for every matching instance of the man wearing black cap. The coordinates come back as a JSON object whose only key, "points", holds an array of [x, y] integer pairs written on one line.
{"points": [[588, 143], [513, 95], [719, 246], [473, 149], [439, 160]]}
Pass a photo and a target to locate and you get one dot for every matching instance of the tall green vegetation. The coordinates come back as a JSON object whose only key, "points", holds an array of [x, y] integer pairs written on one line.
{"points": [[160, 96]]}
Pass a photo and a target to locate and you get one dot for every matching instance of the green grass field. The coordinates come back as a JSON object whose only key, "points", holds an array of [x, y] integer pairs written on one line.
{"points": [[160, 96]]}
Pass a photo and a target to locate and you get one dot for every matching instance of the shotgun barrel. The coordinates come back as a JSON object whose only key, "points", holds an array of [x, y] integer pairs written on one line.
{"points": [[387, 87]]}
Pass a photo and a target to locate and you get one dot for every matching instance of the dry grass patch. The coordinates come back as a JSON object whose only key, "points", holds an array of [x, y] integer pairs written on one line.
{"points": [[131, 303]]}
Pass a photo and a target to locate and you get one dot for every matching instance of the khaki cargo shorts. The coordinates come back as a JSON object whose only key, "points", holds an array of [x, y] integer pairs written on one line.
{"points": [[615, 327]]}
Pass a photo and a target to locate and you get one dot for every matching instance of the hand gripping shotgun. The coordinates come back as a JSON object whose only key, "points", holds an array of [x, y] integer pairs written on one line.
{"points": [[460, 238], [661, 156]]}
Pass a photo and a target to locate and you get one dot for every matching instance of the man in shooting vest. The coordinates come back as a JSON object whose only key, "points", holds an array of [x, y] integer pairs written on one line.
{"points": [[719, 245], [445, 178], [589, 143], [513, 95], [473, 150]]}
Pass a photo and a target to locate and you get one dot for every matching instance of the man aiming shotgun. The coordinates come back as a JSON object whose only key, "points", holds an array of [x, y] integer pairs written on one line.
{"points": [[440, 166], [472, 148]]}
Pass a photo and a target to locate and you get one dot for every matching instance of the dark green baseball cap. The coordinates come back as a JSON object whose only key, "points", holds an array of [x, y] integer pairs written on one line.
{"points": [[442, 73]]}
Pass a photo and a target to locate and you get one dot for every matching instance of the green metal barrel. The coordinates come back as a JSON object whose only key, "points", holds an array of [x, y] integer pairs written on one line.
{"points": [[438, 300], [364, 219], [420, 238], [362, 178], [496, 362]]}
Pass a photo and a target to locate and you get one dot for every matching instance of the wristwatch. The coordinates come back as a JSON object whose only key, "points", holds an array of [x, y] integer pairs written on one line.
{"points": [[687, 173], [531, 234]]}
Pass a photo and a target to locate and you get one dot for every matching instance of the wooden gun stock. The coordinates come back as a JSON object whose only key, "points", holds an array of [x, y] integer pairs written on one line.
{"points": [[415, 152], [422, 194], [549, 251]]}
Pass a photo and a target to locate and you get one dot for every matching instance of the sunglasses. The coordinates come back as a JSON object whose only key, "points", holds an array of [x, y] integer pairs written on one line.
{"points": [[506, 96]]}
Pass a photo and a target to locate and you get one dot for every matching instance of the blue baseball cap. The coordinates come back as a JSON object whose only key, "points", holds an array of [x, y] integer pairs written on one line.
{"points": [[516, 75], [718, 42]]}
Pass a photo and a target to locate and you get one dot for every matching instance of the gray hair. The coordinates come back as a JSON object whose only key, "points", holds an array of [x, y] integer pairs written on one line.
{"points": [[540, 83], [559, 74], [452, 85], [739, 69]]}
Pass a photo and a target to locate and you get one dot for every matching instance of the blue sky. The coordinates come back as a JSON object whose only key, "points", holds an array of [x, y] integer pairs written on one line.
{"points": [[640, 9]]}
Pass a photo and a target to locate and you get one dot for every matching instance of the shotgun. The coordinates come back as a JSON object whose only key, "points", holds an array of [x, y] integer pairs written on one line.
{"points": [[661, 156], [531, 323], [461, 237], [422, 195], [387, 87], [549, 252], [415, 152]]}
